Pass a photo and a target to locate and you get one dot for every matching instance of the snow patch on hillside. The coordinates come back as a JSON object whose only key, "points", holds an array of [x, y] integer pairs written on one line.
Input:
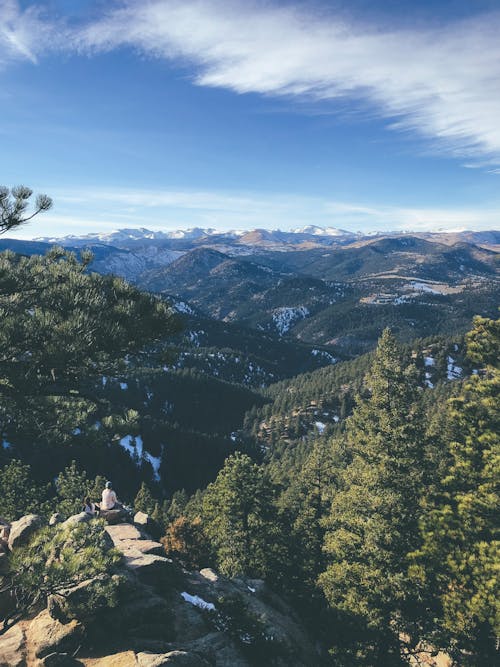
{"points": [[326, 355], [424, 287], [285, 317], [453, 372], [135, 449], [183, 307]]}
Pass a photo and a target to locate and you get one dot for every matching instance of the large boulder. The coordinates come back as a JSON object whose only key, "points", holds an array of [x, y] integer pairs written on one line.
{"points": [[142, 519], [254, 602], [147, 523], [56, 518], [122, 659], [144, 546], [113, 516], [150, 569], [12, 648], [88, 598], [22, 530], [46, 635], [123, 531], [81, 517]]}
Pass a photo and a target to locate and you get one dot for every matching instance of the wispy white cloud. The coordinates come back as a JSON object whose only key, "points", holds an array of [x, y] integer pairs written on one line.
{"points": [[24, 34], [442, 81], [92, 210]]}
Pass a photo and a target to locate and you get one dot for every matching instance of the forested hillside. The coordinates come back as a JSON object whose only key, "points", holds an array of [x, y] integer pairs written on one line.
{"points": [[364, 491]]}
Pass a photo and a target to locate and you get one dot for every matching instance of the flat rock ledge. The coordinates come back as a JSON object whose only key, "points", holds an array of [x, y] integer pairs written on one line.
{"points": [[141, 555]]}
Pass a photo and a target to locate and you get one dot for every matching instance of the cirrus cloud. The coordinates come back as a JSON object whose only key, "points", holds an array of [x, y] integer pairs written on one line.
{"points": [[441, 82]]}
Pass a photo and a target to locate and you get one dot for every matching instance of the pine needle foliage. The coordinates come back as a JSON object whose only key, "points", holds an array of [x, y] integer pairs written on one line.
{"points": [[56, 559], [459, 559], [373, 523]]}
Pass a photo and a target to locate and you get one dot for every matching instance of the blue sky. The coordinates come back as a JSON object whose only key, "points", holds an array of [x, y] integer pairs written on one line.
{"points": [[361, 115]]}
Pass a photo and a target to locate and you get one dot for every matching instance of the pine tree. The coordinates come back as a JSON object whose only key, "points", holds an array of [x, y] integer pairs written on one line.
{"points": [[19, 494], [373, 524], [303, 507], [13, 205], [63, 329], [72, 486], [144, 501], [57, 559], [458, 561], [237, 511]]}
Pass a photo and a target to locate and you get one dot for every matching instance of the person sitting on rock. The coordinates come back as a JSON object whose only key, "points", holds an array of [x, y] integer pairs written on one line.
{"points": [[89, 507], [109, 500]]}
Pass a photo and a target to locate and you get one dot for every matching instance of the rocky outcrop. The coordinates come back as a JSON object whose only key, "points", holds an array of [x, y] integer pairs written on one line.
{"points": [[113, 516], [55, 519], [81, 517], [159, 614], [142, 519], [141, 554], [23, 529], [12, 648], [46, 635]]}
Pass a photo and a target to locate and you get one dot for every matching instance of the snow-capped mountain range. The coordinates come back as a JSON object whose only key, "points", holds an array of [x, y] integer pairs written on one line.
{"points": [[125, 237]]}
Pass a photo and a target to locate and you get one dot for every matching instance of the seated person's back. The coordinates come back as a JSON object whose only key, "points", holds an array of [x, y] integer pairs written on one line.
{"points": [[109, 499]]}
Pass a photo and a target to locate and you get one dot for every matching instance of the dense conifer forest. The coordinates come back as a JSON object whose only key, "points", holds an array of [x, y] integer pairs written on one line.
{"points": [[364, 492]]}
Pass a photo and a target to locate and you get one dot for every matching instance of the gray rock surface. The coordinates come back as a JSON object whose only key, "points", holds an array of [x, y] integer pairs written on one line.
{"points": [[113, 516], [12, 648], [61, 607], [46, 635], [142, 519], [152, 621], [81, 517], [22, 530], [55, 519], [123, 531], [144, 546]]}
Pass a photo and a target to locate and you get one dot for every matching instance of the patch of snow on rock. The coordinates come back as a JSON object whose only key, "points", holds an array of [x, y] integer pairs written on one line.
{"points": [[423, 287], [183, 307], [320, 426], [326, 355], [429, 361], [198, 602], [123, 386], [454, 372]]}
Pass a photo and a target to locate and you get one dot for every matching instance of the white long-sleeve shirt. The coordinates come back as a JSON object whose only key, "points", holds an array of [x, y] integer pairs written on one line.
{"points": [[109, 499]]}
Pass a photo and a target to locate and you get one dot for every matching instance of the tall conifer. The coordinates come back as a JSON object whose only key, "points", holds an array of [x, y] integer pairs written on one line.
{"points": [[461, 552], [373, 523]]}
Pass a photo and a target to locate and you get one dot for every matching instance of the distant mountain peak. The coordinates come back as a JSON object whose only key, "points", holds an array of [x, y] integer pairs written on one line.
{"points": [[314, 230], [250, 236]]}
